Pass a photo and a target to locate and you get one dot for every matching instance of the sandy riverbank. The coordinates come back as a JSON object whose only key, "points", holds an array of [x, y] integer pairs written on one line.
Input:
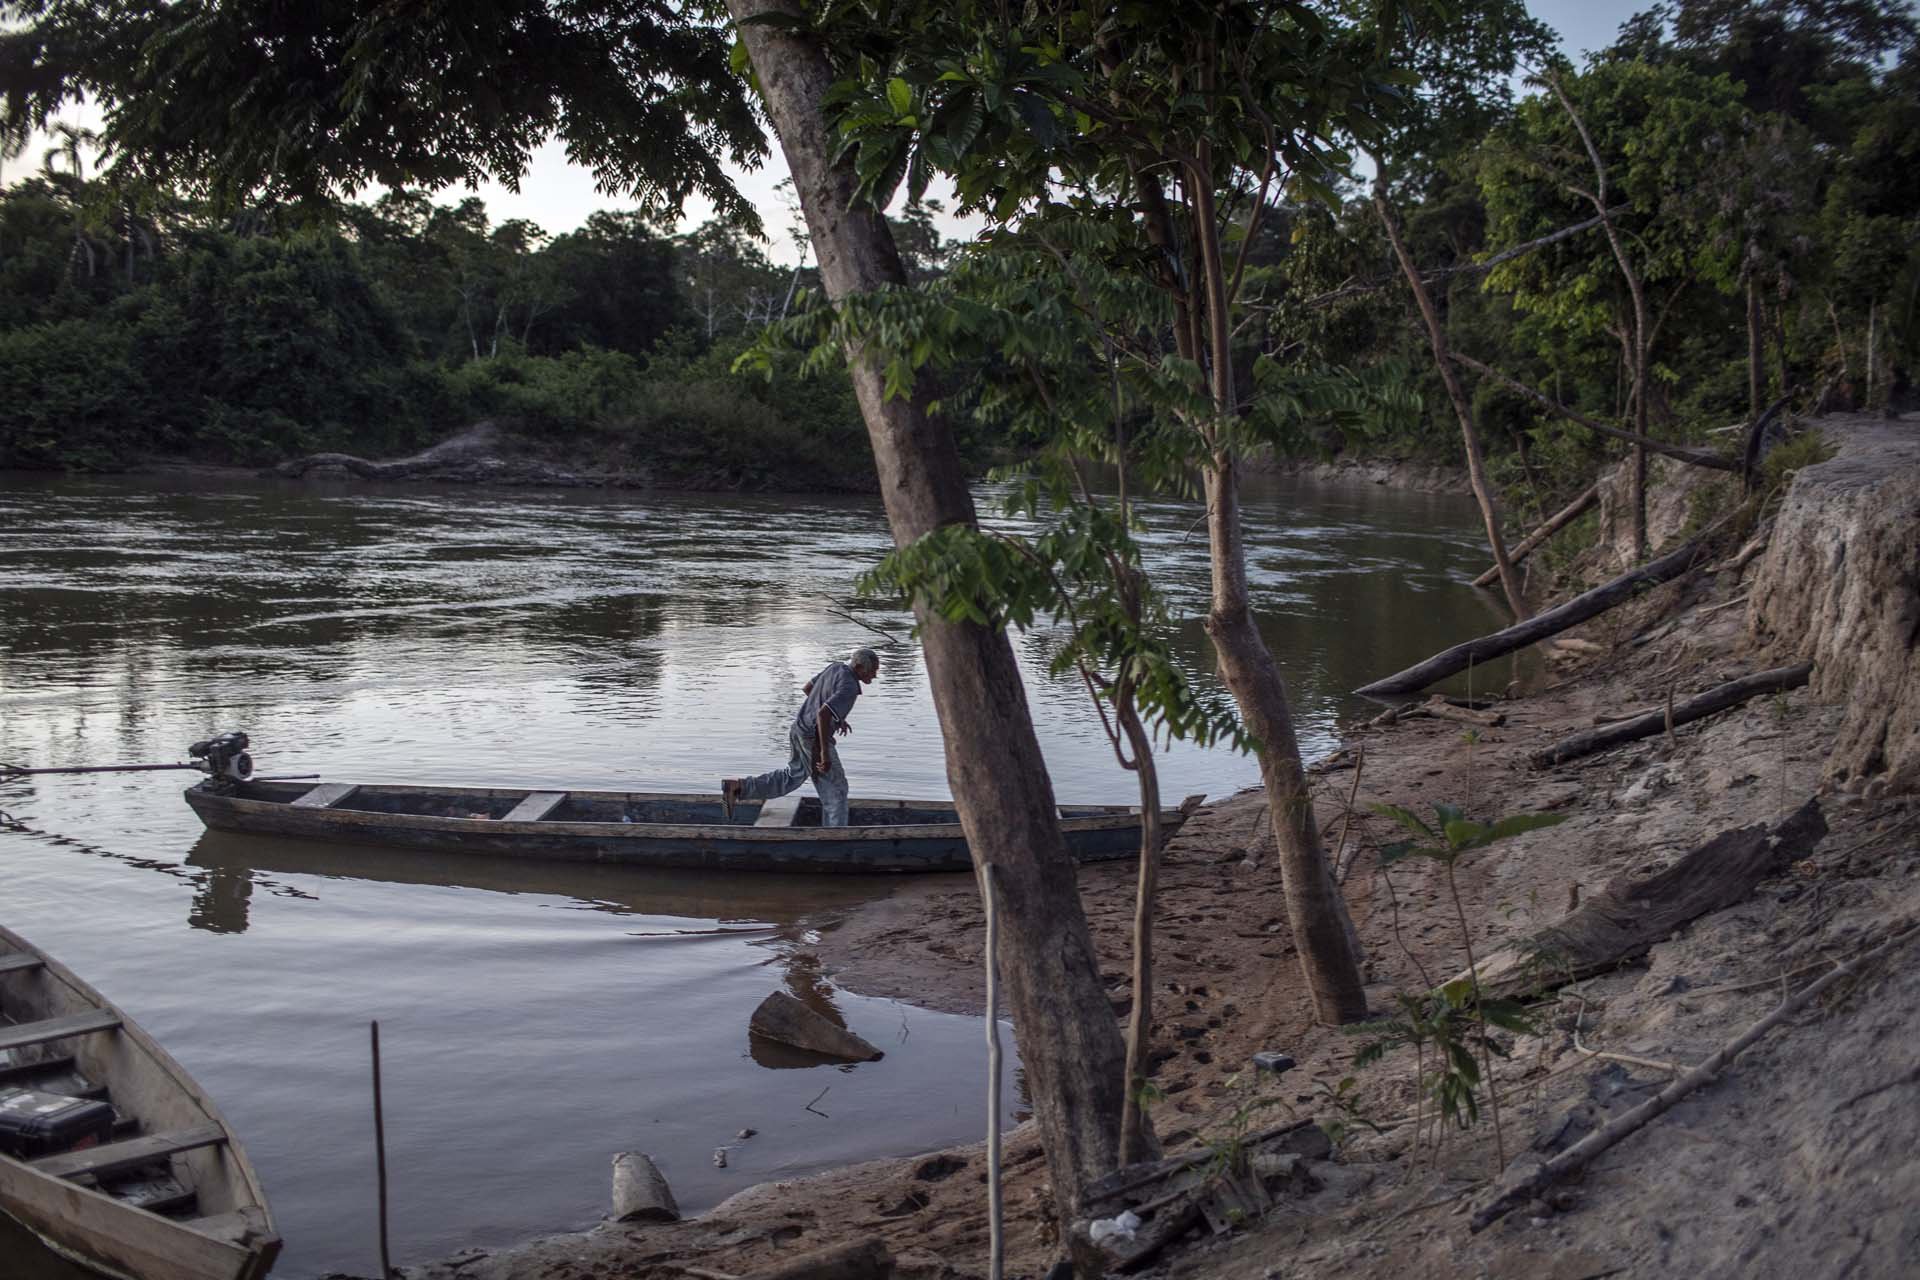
{"points": [[1800, 1161]]}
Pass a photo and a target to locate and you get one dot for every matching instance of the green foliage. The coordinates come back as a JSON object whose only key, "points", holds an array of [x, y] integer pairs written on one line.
{"points": [[1081, 569], [1452, 1021], [1808, 448], [1452, 833], [64, 391], [200, 338], [345, 95], [1450, 1025]]}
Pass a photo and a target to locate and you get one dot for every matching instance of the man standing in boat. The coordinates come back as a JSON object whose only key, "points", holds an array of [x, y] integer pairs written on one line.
{"points": [[829, 701]]}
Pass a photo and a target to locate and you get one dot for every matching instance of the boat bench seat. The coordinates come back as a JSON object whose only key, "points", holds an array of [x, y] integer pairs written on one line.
{"points": [[21, 1034], [536, 806], [780, 812], [15, 961], [115, 1157], [326, 795]]}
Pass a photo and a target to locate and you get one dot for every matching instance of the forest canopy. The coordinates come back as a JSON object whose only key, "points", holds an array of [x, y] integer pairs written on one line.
{"points": [[1763, 162]]}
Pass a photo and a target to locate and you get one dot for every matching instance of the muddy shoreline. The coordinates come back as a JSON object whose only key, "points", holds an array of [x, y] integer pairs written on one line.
{"points": [[486, 456], [1802, 1155]]}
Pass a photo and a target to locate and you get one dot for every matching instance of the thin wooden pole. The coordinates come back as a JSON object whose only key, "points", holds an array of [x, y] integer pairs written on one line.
{"points": [[1560, 519], [380, 1152], [11, 770], [996, 1235]]}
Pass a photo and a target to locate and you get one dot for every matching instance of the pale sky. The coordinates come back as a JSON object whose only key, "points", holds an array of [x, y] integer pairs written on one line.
{"points": [[559, 196]]}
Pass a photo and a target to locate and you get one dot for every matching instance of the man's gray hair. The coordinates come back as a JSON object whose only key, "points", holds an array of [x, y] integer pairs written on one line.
{"points": [[866, 658]]}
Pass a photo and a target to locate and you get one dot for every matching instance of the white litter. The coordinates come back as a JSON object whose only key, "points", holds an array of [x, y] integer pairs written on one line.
{"points": [[1119, 1230]]}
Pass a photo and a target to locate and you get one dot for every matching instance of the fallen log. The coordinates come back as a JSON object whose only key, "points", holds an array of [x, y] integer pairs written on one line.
{"points": [[1628, 916], [1755, 450], [1555, 523], [1582, 1153], [1730, 694], [1541, 625]]}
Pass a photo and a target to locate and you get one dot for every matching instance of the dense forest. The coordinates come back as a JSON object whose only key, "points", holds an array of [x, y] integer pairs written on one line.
{"points": [[136, 325], [1758, 162]]}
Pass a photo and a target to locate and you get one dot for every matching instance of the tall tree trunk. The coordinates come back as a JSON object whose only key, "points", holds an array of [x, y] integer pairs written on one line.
{"points": [[1756, 360], [1074, 1057], [1476, 462], [1316, 911]]}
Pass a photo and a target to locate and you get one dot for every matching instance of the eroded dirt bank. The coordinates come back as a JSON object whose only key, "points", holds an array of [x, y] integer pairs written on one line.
{"points": [[1802, 1160]]}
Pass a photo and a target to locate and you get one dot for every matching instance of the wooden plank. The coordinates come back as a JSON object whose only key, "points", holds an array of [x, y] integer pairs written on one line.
{"points": [[326, 795], [234, 1228], [38, 1070], [16, 961], [536, 806], [117, 1239], [779, 813], [164, 1194], [114, 1157], [23, 1034]]}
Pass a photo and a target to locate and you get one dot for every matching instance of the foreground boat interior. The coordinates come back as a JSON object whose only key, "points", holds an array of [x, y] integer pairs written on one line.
{"points": [[147, 1182]]}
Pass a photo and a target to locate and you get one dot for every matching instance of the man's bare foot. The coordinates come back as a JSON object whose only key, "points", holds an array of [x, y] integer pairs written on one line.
{"points": [[729, 796]]}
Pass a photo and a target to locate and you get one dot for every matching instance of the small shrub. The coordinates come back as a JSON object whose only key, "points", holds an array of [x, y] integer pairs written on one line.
{"points": [[1808, 448]]}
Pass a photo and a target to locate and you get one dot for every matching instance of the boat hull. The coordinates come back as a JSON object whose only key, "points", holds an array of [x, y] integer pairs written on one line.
{"points": [[855, 850]]}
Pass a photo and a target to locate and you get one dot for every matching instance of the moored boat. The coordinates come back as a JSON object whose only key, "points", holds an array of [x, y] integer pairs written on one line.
{"points": [[640, 828], [146, 1182]]}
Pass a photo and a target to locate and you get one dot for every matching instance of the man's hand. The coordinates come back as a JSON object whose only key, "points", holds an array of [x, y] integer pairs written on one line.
{"points": [[843, 728]]}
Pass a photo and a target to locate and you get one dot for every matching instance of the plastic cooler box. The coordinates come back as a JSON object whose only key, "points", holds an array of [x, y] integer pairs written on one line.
{"points": [[36, 1124]]}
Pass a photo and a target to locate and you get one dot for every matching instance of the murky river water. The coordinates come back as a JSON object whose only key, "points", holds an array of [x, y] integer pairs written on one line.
{"points": [[536, 1020]]}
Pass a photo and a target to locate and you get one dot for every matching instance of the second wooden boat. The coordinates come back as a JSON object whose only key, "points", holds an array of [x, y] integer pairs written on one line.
{"points": [[641, 828], [165, 1192]]}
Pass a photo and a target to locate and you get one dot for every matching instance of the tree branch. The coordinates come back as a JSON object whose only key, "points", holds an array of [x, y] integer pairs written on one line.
{"points": [[1692, 457]]}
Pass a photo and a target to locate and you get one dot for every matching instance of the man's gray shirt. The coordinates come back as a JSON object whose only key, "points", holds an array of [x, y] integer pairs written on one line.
{"points": [[834, 688]]}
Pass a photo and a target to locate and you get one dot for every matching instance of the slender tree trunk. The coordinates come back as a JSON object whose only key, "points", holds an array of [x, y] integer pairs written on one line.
{"points": [[1873, 309], [1778, 313], [1641, 338], [1073, 1054], [1476, 462], [1315, 908], [1756, 359], [1135, 1137]]}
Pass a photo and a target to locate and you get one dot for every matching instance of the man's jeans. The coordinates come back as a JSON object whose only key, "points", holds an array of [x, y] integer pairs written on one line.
{"points": [[830, 786]]}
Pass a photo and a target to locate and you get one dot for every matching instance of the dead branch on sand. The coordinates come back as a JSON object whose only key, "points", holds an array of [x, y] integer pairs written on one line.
{"points": [[1609, 1135], [1719, 698]]}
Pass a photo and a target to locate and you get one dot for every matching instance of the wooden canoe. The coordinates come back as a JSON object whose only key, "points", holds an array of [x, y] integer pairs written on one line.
{"points": [[641, 828], [170, 1195]]}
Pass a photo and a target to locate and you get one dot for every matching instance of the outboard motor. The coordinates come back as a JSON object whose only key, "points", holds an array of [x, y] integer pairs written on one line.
{"points": [[224, 758]]}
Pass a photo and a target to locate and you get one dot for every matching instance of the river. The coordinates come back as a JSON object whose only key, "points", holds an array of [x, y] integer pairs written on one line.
{"points": [[535, 1021]]}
